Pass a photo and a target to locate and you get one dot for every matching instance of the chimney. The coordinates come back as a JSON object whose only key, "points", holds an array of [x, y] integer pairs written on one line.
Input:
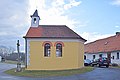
{"points": [[117, 33]]}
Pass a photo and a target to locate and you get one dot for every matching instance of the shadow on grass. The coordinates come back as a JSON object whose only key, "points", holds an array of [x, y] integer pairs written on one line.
{"points": [[48, 73]]}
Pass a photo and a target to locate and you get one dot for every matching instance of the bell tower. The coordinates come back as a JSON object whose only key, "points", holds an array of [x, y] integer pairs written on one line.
{"points": [[35, 19]]}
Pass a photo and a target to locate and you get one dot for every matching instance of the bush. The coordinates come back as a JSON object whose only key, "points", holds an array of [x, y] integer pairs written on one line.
{"points": [[114, 64], [14, 57]]}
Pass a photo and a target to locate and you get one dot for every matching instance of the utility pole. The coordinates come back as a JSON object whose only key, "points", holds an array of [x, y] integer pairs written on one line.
{"points": [[19, 62]]}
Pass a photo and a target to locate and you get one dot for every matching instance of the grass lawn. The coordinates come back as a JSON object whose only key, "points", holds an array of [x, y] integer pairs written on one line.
{"points": [[11, 62], [115, 66], [45, 73]]}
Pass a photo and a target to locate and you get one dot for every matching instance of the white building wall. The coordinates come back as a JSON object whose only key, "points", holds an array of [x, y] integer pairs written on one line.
{"points": [[90, 56], [0, 58], [104, 54], [35, 23], [115, 60]]}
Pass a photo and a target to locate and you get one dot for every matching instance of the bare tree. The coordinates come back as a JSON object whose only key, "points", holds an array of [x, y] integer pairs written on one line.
{"points": [[11, 50], [4, 51]]}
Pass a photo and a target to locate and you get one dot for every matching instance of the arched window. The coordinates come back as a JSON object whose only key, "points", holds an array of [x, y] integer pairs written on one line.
{"points": [[34, 20], [59, 50], [47, 50]]}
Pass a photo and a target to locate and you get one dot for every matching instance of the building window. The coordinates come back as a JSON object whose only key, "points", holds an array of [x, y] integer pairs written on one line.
{"points": [[59, 50], [117, 55], [113, 57], [100, 55], [84, 57], [34, 20], [47, 50], [93, 56]]}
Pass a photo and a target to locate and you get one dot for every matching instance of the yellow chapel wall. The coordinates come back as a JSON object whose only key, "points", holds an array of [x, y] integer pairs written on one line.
{"points": [[72, 56]]}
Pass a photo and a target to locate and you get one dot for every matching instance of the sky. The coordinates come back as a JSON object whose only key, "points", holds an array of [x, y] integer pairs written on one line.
{"points": [[91, 19]]}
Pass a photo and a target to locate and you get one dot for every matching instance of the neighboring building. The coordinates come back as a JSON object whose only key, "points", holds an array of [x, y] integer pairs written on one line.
{"points": [[52, 47], [107, 47], [0, 58]]}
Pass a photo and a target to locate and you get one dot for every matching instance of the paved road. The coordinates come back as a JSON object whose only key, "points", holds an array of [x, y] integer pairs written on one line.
{"points": [[97, 74]]}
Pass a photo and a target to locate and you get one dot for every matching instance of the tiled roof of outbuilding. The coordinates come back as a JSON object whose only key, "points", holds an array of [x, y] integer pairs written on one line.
{"points": [[104, 45], [52, 31]]}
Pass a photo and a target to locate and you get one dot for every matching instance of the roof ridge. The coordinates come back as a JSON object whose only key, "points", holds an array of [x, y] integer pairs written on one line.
{"points": [[100, 40], [52, 25]]}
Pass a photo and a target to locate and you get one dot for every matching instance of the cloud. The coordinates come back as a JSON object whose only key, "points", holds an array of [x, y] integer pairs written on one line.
{"points": [[90, 37], [116, 2], [55, 12], [117, 26], [71, 4], [13, 21], [3, 33]]}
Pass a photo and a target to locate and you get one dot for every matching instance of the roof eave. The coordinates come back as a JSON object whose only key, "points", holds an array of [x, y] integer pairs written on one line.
{"points": [[56, 37]]}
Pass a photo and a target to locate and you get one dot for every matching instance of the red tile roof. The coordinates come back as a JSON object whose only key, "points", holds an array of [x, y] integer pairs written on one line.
{"points": [[52, 31], [104, 45]]}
